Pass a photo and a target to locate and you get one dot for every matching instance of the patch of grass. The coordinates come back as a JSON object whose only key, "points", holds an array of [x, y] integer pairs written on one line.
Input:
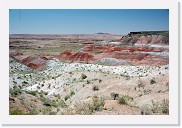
{"points": [[98, 103], [62, 104], [69, 95], [124, 99], [15, 91], [165, 106], [34, 93], [160, 107], [49, 102], [16, 112], [43, 92], [87, 109]]}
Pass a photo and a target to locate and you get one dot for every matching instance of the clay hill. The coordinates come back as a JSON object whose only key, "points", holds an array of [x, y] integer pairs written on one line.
{"points": [[136, 48]]}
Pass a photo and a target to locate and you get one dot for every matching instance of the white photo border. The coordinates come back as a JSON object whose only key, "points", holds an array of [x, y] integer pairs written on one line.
{"points": [[171, 119]]}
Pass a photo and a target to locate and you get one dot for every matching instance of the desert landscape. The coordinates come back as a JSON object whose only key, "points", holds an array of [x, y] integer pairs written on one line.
{"points": [[89, 74]]}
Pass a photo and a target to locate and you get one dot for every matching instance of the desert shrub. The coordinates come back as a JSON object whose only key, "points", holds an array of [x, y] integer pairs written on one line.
{"points": [[165, 106], [87, 109], [155, 107], [48, 102], [160, 107], [69, 95], [66, 97], [34, 93], [15, 91], [24, 82], [62, 104], [100, 80], [152, 81], [95, 88], [72, 93], [83, 76], [98, 103], [16, 112], [124, 99], [114, 95], [88, 82], [141, 85], [43, 92]]}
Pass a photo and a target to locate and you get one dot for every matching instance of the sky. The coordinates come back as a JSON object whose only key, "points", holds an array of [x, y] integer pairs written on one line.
{"points": [[87, 21]]}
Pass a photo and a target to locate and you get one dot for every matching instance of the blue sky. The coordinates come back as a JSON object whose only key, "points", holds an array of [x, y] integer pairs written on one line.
{"points": [[87, 21]]}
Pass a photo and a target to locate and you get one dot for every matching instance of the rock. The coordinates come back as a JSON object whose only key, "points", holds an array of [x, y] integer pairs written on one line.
{"points": [[112, 62]]}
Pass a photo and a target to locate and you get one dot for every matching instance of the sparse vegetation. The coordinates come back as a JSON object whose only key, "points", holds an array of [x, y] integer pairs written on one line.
{"points": [[95, 88], [83, 76], [69, 88], [15, 91], [160, 107], [124, 99], [141, 85], [16, 112], [88, 109], [34, 93], [152, 81], [69, 95], [49, 102], [114, 95], [165, 106]]}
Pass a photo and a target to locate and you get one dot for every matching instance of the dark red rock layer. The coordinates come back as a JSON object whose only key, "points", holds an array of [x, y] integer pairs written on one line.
{"points": [[82, 57]]}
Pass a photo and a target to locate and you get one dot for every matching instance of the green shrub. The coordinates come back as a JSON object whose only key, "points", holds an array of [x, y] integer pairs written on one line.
{"points": [[124, 99], [62, 104], [160, 107], [95, 88], [69, 95], [66, 97], [34, 93], [48, 102], [98, 103], [72, 93], [43, 92], [87, 109], [15, 91], [83, 76], [114, 95], [16, 112], [152, 81]]}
